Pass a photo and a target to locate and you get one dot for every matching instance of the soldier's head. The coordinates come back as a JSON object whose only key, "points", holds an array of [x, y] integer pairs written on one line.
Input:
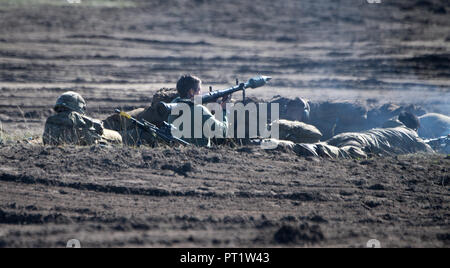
{"points": [[70, 101], [409, 120], [188, 86]]}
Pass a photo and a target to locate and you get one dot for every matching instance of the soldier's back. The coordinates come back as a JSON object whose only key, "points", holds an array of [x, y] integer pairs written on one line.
{"points": [[68, 127], [398, 140]]}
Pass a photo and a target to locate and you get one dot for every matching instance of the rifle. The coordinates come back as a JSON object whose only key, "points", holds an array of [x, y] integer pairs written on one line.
{"points": [[164, 109], [164, 133]]}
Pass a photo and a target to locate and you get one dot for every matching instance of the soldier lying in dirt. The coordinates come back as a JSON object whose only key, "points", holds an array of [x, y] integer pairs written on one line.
{"points": [[399, 138], [70, 125]]}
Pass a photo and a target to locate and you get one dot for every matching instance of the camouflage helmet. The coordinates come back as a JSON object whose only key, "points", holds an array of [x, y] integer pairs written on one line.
{"points": [[71, 101]]}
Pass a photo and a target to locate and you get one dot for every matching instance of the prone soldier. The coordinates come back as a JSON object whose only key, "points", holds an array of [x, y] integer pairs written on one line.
{"points": [[70, 125], [399, 137]]}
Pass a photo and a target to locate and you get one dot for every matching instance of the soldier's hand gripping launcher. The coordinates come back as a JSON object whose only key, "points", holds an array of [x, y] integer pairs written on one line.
{"points": [[164, 133], [164, 109]]}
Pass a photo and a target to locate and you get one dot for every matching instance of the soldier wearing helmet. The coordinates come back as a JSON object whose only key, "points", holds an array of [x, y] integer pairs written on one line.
{"points": [[70, 101], [70, 125]]}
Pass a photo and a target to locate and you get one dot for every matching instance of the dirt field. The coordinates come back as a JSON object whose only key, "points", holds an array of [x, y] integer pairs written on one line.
{"points": [[118, 53]]}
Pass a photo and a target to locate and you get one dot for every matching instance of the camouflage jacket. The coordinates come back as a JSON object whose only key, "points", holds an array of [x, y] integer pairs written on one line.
{"points": [[386, 141], [70, 127], [208, 122]]}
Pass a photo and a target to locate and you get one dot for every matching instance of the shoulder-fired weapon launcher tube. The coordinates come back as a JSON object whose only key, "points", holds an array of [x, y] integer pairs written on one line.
{"points": [[164, 109], [252, 83]]}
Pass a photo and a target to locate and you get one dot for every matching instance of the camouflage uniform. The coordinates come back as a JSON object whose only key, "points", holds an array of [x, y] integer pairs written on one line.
{"points": [[71, 126], [395, 139], [207, 118], [131, 134], [386, 141], [322, 149]]}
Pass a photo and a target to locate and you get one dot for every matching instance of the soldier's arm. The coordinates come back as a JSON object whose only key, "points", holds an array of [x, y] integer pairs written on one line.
{"points": [[212, 123]]}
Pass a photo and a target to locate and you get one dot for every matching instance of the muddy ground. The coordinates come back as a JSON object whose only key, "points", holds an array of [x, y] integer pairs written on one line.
{"points": [[223, 197], [118, 53]]}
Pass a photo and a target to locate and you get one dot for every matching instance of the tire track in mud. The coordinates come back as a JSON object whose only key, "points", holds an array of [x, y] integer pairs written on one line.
{"points": [[7, 217], [426, 65], [25, 179], [139, 40], [49, 209]]}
